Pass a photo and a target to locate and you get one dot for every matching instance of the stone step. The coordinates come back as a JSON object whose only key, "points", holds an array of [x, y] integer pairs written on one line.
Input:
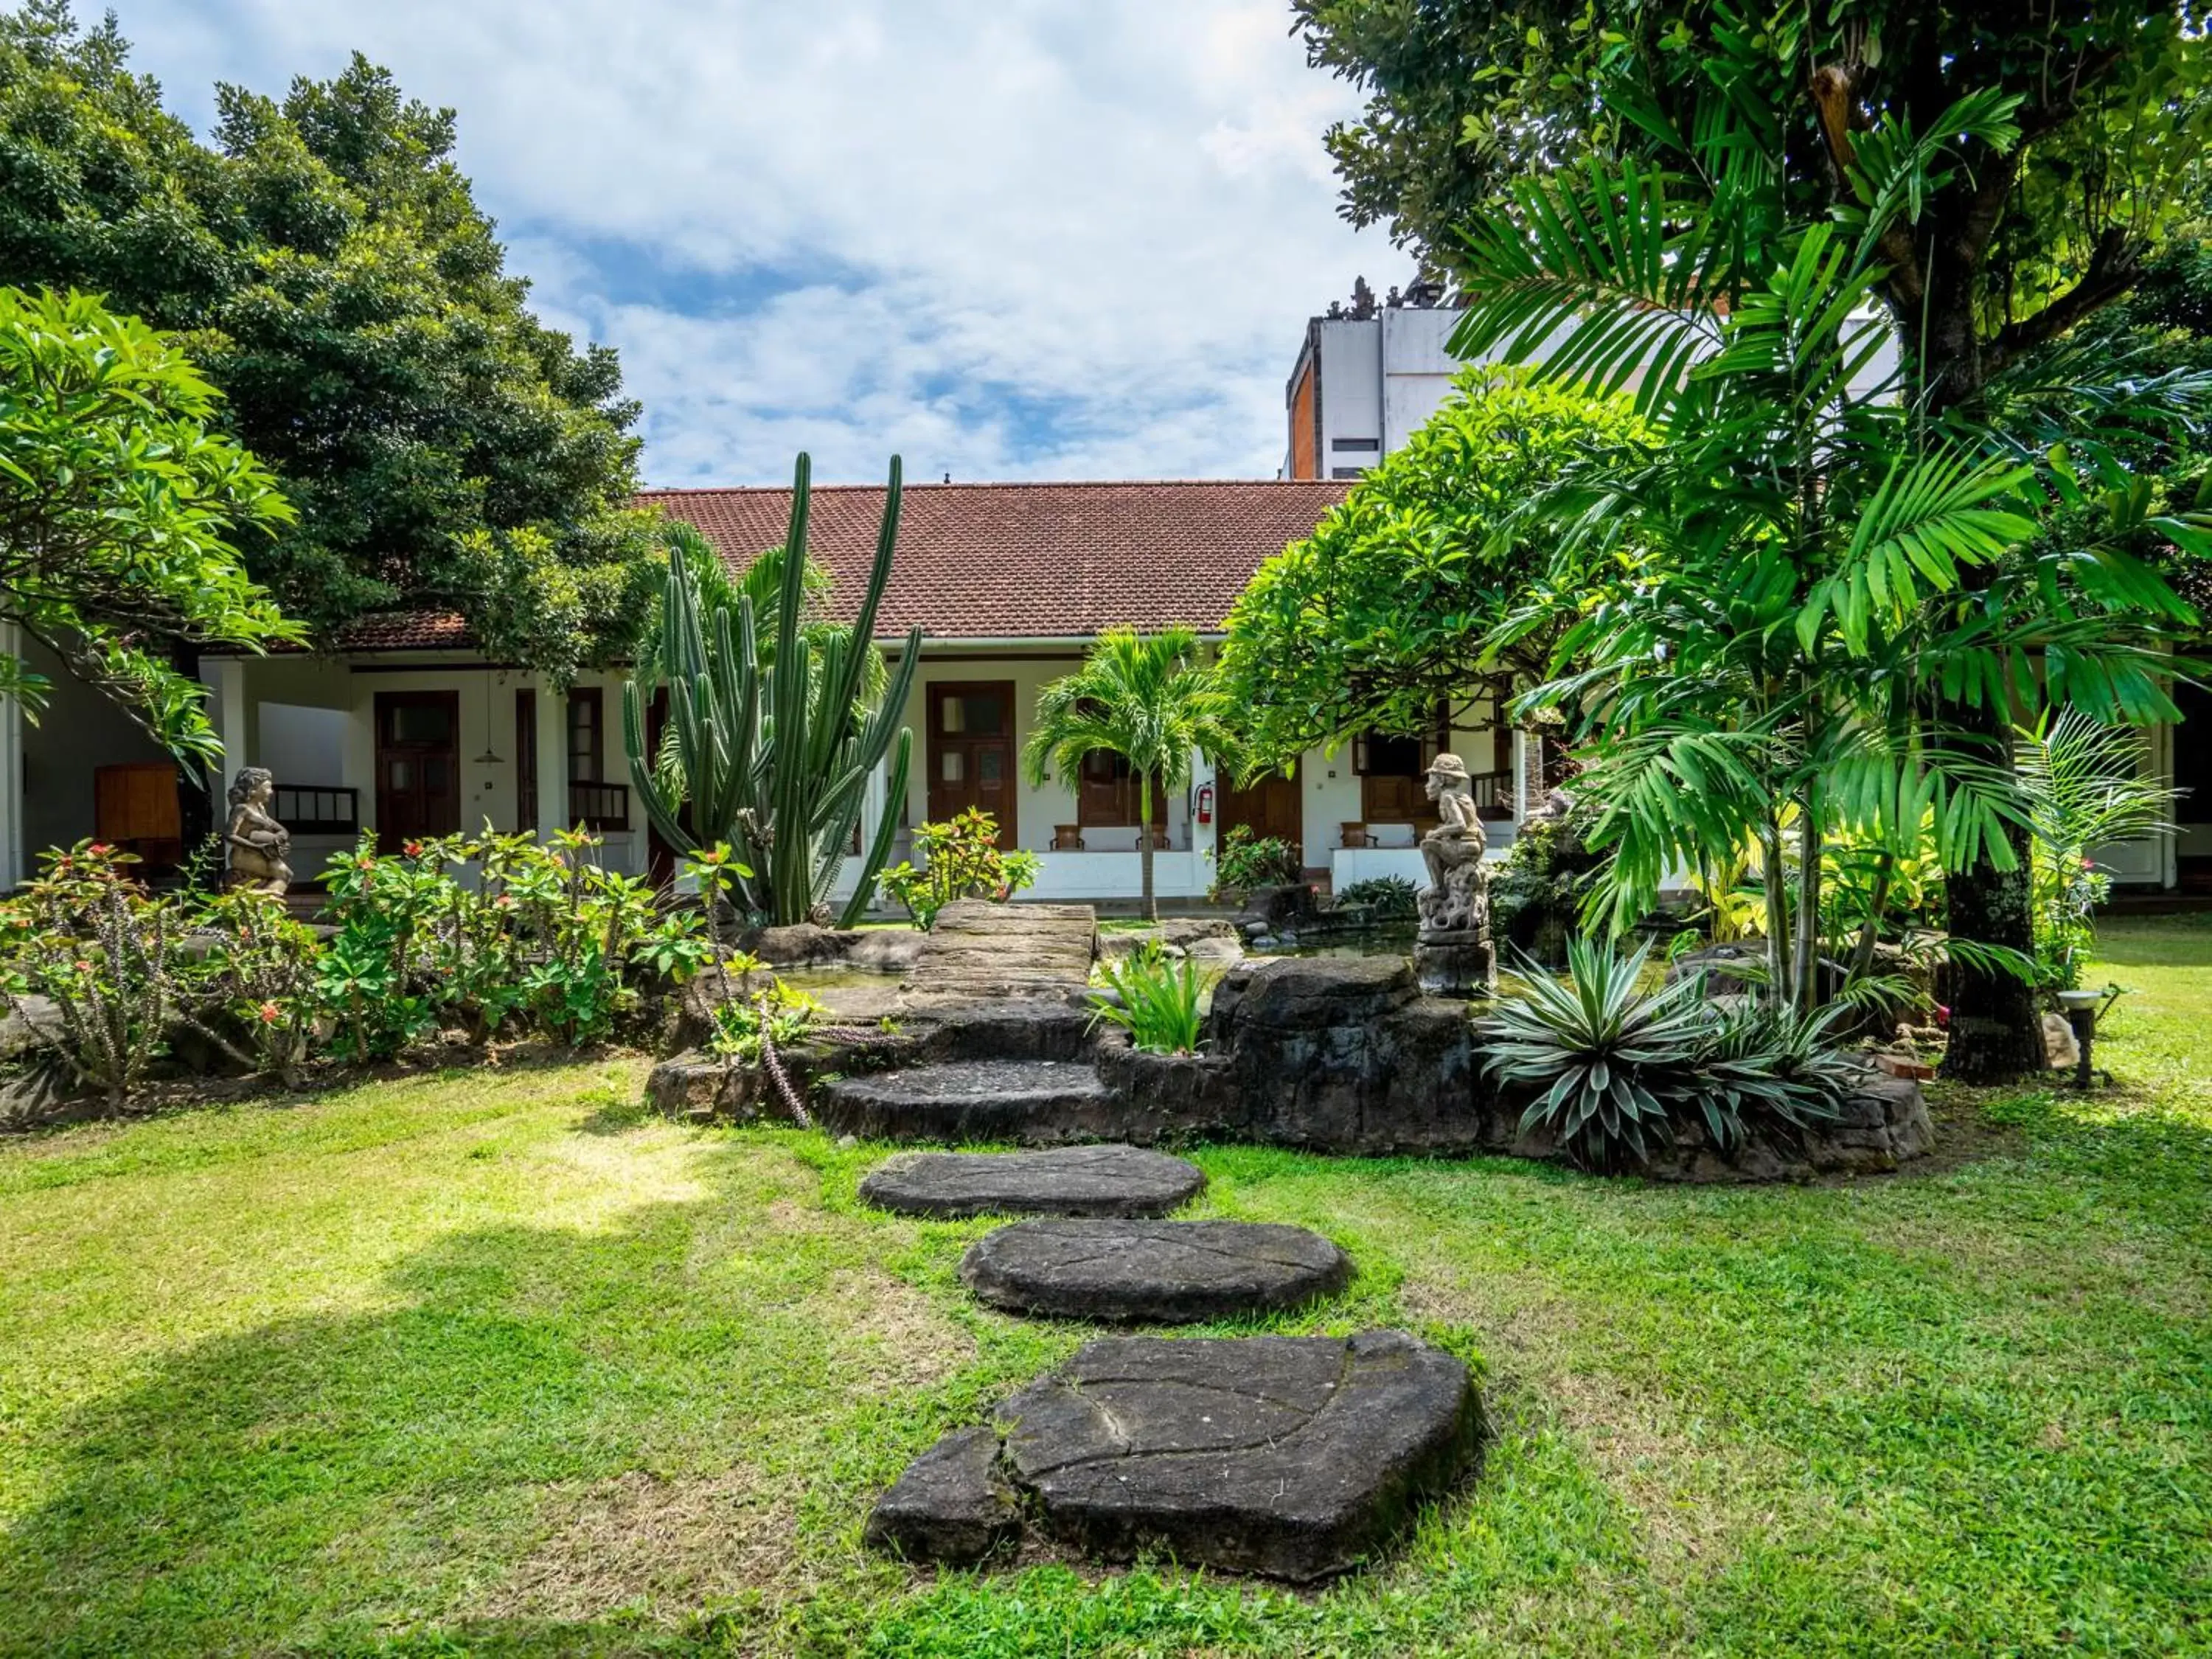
{"points": [[1038, 1103], [1067, 1181], [1151, 1272], [1295, 1457], [978, 949]]}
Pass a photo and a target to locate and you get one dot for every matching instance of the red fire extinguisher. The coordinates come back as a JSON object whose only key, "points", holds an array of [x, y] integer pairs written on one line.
{"points": [[1205, 804]]}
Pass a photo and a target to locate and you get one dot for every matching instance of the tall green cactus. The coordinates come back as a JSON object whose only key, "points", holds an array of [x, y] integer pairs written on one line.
{"points": [[776, 759]]}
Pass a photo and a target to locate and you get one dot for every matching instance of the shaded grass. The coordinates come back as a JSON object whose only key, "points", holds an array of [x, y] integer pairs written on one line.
{"points": [[497, 1364]]}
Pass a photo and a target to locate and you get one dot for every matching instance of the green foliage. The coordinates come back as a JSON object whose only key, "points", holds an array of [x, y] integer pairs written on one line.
{"points": [[544, 937], [1615, 1068], [761, 1019], [338, 283], [1155, 998], [1611, 1061], [1385, 898], [1247, 862], [1537, 889], [960, 860], [262, 975], [775, 736], [1391, 605], [2086, 789], [117, 499], [2012, 243], [1790, 654], [83, 934], [1627, 191], [1151, 700]]}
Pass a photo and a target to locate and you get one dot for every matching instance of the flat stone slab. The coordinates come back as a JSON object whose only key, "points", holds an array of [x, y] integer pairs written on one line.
{"points": [[1072, 1180], [979, 949], [1036, 1101], [1151, 1272], [1294, 1457], [953, 1504]]}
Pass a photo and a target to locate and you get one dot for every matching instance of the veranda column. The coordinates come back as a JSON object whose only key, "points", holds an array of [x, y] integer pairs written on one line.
{"points": [[227, 676], [552, 705]]}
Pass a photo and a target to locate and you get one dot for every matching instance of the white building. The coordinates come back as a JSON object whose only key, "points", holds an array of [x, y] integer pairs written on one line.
{"points": [[1367, 376], [411, 730]]}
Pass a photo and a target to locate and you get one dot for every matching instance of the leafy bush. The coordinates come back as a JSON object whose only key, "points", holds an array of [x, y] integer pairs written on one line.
{"points": [[1385, 898], [83, 935], [263, 974], [1619, 1067], [1536, 892], [1158, 999], [1246, 861], [758, 1020], [2085, 788], [963, 860]]}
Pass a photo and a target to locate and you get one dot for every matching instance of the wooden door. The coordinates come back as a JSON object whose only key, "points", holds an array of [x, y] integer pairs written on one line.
{"points": [[1269, 809], [971, 753], [418, 783]]}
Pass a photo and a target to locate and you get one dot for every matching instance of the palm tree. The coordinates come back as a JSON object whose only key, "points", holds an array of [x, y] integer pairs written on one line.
{"points": [[1146, 697], [1838, 591]]}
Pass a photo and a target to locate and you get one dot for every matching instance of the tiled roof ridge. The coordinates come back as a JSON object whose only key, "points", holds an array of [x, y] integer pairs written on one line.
{"points": [[1000, 484]]}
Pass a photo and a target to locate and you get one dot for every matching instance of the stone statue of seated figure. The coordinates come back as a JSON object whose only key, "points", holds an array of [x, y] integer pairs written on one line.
{"points": [[1453, 952], [256, 841]]}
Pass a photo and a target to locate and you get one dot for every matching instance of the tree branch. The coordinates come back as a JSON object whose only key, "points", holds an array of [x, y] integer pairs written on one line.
{"points": [[2114, 267]]}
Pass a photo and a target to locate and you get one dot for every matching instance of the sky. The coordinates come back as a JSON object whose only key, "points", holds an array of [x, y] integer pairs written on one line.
{"points": [[1009, 239]]}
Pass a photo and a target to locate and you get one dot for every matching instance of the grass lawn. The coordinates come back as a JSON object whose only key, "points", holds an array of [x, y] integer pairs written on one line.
{"points": [[491, 1363]]}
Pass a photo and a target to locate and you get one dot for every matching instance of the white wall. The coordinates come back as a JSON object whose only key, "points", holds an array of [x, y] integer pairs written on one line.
{"points": [[1417, 369], [301, 745], [324, 723], [1350, 393]]}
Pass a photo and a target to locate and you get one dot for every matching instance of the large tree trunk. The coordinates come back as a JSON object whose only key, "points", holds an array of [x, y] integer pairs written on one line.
{"points": [[1997, 1030]]}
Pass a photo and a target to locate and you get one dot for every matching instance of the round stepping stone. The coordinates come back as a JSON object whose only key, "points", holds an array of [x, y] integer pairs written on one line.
{"points": [[1154, 1272], [1081, 1181]]}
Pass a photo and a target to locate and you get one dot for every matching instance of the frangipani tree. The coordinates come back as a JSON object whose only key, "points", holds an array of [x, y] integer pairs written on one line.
{"points": [[1392, 605], [1146, 697]]}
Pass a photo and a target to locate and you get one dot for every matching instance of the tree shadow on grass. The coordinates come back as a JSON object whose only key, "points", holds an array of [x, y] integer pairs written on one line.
{"points": [[335, 1482]]}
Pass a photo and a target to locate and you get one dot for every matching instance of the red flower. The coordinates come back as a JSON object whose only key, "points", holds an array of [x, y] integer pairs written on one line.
{"points": [[82, 966], [100, 849], [1943, 1015], [269, 1014], [414, 849]]}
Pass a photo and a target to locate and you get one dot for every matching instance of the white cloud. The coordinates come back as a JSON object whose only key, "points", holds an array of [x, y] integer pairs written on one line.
{"points": [[871, 223]]}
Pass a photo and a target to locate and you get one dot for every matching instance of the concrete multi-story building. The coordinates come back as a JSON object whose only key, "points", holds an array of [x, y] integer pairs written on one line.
{"points": [[1367, 374]]}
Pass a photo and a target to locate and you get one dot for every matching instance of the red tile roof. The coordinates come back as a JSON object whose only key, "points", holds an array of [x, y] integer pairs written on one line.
{"points": [[406, 630], [1029, 561]]}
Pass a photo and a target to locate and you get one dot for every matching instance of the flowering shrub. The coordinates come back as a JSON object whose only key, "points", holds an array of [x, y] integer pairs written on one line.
{"points": [[85, 936], [537, 938], [962, 861], [1246, 862]]}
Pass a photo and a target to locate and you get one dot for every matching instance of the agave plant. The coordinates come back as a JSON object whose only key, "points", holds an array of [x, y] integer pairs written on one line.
{"points": [[1770, 1059], [1613, 1062]]}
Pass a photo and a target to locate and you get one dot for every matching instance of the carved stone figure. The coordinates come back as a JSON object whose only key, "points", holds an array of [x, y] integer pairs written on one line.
{"points": [[257, 842], [1453, 953]]}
